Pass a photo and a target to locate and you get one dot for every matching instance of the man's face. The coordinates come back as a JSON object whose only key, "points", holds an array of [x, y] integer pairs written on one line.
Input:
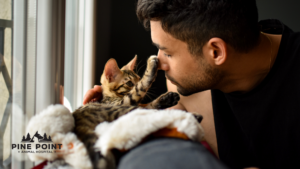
{"points": [[191, 74]]}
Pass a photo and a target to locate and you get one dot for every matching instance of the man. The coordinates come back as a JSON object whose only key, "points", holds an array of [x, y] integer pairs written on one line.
{"points": [[251, 114]]}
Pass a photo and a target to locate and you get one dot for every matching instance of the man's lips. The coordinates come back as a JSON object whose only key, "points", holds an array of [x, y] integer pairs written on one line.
{"points": [[171, 81]]}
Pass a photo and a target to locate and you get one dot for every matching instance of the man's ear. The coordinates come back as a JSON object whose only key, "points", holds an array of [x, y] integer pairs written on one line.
{"points": [[217, 50], [111, 70], [131, 64]]}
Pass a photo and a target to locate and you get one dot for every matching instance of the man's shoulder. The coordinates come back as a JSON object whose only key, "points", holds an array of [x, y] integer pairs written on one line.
{"points": [[289, 48], [293, 43]]}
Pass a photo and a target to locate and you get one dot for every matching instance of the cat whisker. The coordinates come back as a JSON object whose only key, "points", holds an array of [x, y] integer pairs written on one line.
{"points": [[152, 89], [150, 92], [147, 95], [137, 65], [151, 95], [140, 68]]}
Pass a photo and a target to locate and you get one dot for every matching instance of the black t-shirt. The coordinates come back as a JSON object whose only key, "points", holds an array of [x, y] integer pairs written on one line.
{"points": [[262, 127]]}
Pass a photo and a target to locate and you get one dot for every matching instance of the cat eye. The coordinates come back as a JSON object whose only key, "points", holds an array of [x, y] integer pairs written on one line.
{"points": [[129, 84]]}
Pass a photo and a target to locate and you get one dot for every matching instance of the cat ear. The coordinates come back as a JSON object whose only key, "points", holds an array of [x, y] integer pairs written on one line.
{"points": [[111, 70], [131, 64]]}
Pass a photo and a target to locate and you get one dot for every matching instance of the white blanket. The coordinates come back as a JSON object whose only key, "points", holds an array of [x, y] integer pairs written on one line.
{"points": [[131, 129], [123, 134]]}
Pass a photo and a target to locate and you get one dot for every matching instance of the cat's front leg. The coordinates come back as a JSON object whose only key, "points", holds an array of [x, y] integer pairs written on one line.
{"points": [[140, 89], [164, 101]]}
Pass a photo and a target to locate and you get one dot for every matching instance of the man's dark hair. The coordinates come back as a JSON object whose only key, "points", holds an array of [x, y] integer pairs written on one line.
{"points": [[197, 21]]}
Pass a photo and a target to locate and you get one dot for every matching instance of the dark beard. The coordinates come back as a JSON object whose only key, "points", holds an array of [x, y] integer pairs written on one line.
{"points": [[210, 78]]}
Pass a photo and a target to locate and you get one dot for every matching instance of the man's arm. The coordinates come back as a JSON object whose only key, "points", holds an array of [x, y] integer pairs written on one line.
{"points": [[199, 103]]}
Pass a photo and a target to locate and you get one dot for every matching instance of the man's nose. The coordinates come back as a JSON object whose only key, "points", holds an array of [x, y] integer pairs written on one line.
{"points": [[162, 61]]}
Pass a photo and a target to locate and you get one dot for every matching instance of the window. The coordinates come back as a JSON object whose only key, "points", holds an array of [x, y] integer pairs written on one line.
{"points": [[5, 82], [42, 48]]}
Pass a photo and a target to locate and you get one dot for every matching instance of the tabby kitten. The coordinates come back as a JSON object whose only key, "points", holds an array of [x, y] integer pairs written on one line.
{"points": [[123, 90]]}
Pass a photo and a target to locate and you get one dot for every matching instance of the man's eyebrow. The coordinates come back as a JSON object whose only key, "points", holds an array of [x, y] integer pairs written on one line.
{"points": [[158, 46]]}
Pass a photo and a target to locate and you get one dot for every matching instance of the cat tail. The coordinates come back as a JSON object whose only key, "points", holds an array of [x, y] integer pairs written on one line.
{"points": [[89, 138]]}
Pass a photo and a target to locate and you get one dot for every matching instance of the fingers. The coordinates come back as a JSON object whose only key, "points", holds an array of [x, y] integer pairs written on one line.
{"points": [[97, 92], [93, 94], [98, 88], [88, 96]]}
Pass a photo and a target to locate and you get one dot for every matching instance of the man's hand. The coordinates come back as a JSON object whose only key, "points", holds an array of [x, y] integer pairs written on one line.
{"points": [[93, 94]]}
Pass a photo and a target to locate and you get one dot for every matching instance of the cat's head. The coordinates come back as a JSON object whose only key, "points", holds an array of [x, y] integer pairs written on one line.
{"points": [[117, 82]]}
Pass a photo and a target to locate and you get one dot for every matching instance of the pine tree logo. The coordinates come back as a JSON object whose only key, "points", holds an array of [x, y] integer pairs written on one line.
{"points": [[38, 136]]}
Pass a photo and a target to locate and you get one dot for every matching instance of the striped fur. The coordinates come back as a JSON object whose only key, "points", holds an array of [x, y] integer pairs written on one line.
{"points": [[123, 90]]}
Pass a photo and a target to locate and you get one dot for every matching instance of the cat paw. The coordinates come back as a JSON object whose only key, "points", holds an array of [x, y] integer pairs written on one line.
{"points": [[153, 58], [168, 100], [152, 63]]}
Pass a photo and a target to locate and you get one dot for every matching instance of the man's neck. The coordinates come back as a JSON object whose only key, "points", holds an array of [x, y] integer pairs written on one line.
{"points": [[245, 71]]}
